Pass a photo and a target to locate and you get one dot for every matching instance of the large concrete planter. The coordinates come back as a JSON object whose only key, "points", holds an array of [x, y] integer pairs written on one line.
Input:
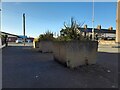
{"points": [[35, 44], [46, 46], [75, 53]]}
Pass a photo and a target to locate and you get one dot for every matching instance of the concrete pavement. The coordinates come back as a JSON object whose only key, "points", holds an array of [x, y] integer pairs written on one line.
{"points": [[24, 67]]}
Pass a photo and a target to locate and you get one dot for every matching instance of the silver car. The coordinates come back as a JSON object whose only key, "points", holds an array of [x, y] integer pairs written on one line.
{"points": [[19, 41]]}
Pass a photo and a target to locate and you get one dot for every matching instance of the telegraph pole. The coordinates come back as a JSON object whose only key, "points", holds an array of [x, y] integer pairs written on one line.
{"points": [[24, 27]]}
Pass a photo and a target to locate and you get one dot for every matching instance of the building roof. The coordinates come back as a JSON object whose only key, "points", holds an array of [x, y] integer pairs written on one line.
{"points": [[4, 33], [12, 35], [21, 36], [98, 31]]}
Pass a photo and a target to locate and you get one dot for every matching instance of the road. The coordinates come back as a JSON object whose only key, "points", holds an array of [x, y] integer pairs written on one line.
{"points": [[24, 67]]}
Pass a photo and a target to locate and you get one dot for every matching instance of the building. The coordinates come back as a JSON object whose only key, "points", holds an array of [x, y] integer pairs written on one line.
{"points": [[30, 38], [101, 33], [10, 37], [26, 38], [13, 37]]}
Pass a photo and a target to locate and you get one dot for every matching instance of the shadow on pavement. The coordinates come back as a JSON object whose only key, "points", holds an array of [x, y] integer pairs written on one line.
{"points": [[24, 67]]}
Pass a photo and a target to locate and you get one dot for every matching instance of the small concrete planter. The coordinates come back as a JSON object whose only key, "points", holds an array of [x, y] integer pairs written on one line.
{"points": [[46, 46], [75, 53], [36, 44]]}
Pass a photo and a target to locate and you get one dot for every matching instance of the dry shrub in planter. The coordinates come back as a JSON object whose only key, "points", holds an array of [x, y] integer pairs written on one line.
{"points": [[74, 49]]}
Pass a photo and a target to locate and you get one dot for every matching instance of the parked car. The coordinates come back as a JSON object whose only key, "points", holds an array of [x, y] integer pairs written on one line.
{"points": [[19, 41], [28, 40]]}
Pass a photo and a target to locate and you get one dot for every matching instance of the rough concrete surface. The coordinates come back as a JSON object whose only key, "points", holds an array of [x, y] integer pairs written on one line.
{"points": [[75, 53], [24, 67]]}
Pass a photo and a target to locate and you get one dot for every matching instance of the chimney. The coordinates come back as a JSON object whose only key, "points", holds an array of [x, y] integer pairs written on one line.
{"points": [[99, 27], [85, 26], [111, 28]]}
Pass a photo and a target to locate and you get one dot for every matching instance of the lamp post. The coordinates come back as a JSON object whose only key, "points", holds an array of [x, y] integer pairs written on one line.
{"points": [[0, 31], [93, 35], [24, 27]]}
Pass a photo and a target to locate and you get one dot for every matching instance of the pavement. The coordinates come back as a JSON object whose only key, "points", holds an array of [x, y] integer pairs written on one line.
{"points": [[24, 67], [2, 46], [108, 49]]}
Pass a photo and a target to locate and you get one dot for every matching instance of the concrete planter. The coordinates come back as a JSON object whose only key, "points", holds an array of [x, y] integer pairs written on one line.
{"points": [[35, 44], [46, 46], [75, 53]]}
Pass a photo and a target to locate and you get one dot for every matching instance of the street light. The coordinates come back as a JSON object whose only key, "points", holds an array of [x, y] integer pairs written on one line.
{"points": [[93, 36], [24, 27]]}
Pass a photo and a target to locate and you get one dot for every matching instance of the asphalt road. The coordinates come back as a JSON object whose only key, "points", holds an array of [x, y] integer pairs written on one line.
{"points": [[24, 67]]}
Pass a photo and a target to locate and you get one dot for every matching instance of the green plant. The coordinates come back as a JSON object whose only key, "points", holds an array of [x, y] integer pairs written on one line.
{"points": [[72, 32], [47, 36]]}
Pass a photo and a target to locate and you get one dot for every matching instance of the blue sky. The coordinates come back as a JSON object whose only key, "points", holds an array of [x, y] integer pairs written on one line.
{"points": [[41, 17]]}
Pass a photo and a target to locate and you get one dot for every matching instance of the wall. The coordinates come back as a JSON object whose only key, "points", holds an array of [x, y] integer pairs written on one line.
{"points": [[0, 42], [35, 44], [103, 42], [45, 46], [118, 23], [75, 53]]}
